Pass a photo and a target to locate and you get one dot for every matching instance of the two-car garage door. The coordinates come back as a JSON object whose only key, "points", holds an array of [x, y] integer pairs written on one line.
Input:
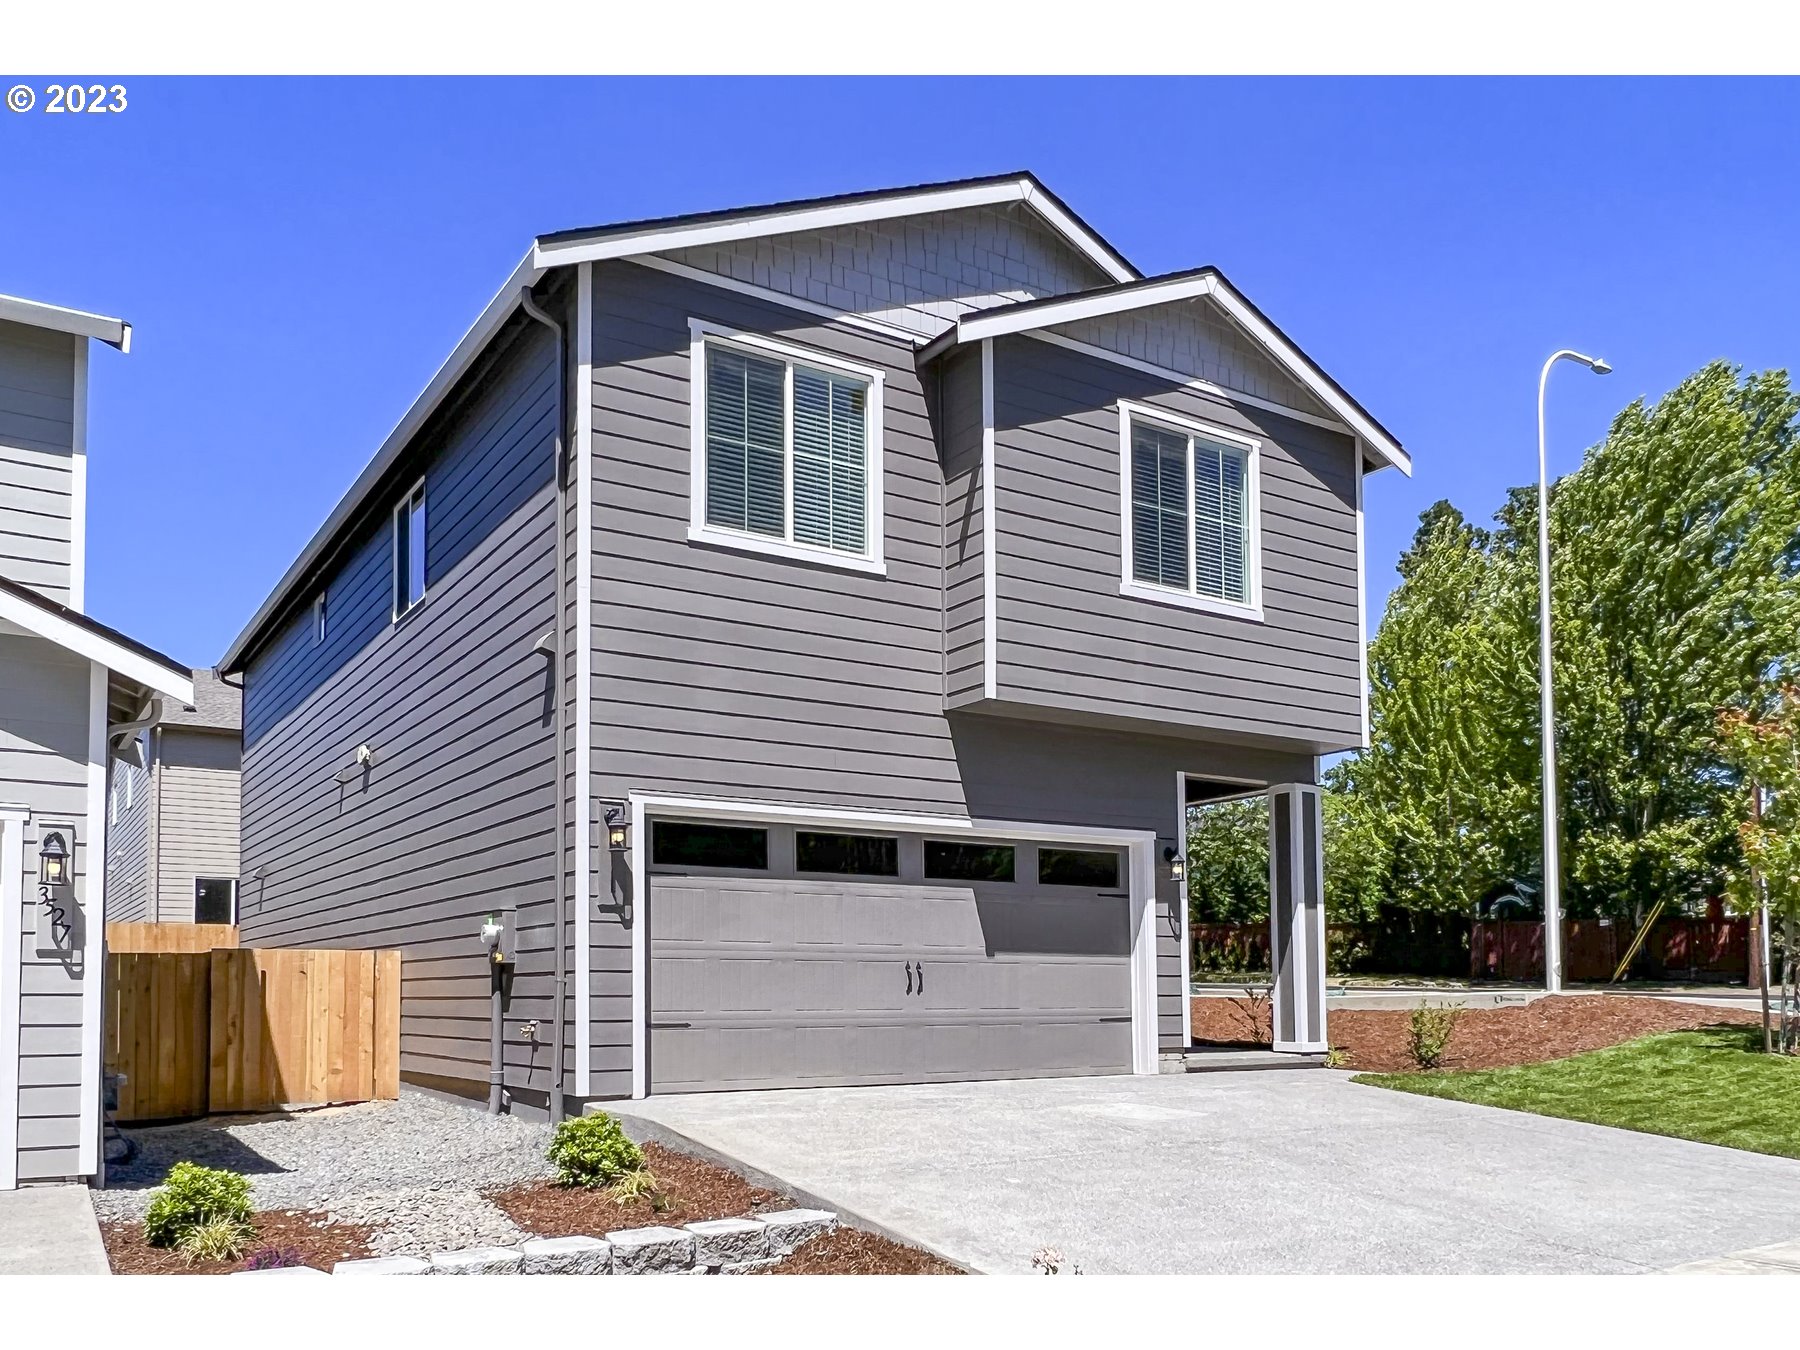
{"points": [[784, 957]]}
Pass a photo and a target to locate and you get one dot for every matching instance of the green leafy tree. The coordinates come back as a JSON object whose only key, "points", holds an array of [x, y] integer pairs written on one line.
{"points": [[1765, 750]]}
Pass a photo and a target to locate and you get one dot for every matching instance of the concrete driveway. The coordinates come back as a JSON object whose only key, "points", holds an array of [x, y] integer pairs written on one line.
{"points": [[1291, 1171]]}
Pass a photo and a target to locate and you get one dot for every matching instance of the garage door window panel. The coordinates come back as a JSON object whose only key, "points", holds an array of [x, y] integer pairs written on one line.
{"points": [[676, 843], [953, 860], [1096, 870], [856, 855]]}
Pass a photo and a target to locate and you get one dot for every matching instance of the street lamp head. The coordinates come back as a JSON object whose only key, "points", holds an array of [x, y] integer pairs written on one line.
{"points": [[1599, 366]]}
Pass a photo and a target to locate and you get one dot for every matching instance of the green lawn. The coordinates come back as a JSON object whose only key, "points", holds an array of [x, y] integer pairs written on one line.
{"points": [[1715, 1086]]}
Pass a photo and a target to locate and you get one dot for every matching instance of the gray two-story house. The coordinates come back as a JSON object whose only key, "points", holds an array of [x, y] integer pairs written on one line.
{"points": [[803, 629]]}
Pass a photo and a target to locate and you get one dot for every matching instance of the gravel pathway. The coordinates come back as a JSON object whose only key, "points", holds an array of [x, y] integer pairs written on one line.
{"points": [[413, 1168]]}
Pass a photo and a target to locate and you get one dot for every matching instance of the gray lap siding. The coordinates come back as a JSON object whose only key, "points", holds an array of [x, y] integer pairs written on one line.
{"points": [[1068, 639], [728, 674], [455, 818]]}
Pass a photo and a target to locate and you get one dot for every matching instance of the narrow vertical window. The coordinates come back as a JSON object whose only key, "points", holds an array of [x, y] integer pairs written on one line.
{"points": [[409, 551], [321, 619]]}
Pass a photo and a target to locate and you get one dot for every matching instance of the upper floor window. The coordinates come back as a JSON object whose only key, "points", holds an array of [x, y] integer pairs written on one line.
{"points": [[1190, 531], [321, 618], [409, 551], [787, 450]]}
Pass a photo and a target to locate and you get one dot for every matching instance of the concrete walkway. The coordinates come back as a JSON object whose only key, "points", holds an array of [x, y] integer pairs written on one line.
{"points": [[50, 1230], [1249, 1172]]}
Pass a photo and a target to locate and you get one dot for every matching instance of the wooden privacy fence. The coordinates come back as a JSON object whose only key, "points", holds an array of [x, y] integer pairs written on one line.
{"points": [[239, 1029], [1676, 949], [170, 937]]}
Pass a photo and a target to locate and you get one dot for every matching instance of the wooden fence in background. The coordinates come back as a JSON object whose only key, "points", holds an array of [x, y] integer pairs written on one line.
{"points": [[238, 1029]]}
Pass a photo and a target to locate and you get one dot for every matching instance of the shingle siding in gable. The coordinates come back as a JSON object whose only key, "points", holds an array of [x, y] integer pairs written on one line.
{"points": [[918, 273], [1200, 340]]}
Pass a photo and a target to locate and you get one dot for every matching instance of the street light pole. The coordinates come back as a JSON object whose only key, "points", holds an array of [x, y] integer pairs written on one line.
{"points": [[1547, 698]]}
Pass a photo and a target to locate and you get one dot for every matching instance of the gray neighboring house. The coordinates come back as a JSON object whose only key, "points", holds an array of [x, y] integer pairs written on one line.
{"points": [[172, 845], [804, 628], [73, 693]]}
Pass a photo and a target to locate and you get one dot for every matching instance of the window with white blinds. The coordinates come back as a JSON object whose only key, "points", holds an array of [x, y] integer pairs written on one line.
{"points": [[785, 455], [1191, 513]]}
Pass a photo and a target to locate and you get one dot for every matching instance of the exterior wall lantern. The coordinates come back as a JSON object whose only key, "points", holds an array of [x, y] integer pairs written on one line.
{"points": [[1177, 864], [618, 829], [53, 860]]}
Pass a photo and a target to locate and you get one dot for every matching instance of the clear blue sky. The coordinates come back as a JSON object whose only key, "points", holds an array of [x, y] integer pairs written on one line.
{"points": [[298, 257]]}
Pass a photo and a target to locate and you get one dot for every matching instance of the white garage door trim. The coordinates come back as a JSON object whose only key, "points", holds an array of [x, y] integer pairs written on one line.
{"points": [[1139, 844]]}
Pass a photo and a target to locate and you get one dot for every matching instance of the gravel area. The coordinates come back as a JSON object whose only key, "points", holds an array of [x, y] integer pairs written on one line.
{"points": [[411, 1169]]}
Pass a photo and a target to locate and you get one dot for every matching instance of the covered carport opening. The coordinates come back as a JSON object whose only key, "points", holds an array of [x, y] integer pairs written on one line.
{"points": [[822, 950], [1288, 968]]}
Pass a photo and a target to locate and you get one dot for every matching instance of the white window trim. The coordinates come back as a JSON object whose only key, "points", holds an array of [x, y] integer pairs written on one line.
{"points": [[1129, 585], [872, 560], [394, 581]]}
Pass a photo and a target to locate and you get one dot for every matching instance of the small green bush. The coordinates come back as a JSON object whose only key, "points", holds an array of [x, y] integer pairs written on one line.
{"points": [[194, 1195], [640, 1184], [593, 1151], [1428, 1033], [215, 1240]]}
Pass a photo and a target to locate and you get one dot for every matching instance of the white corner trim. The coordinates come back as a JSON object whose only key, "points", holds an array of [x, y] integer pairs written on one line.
{"points": [[701, 332], [828, 215], [891, 331], [12, 910], [93, 908], [1362, 604], [78, 475], [1141, 846], [97, 648], [1129, 585], [990, 565], [584, 674], [1181, 897]]}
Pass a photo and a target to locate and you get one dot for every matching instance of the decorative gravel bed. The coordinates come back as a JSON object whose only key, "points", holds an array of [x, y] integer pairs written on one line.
{"points": [[411, 1170], [1485, 1038]]}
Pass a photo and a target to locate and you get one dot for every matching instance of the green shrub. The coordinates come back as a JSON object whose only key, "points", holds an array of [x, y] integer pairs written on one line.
{"points": [[193, 1195], [1428, 1033], [593, 1151], [215, 1240]]}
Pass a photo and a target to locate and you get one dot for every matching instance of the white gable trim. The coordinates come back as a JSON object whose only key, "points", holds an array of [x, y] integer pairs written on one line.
{"points": [[78, 322], [831, 215], [1034, 317], [97, 648]]}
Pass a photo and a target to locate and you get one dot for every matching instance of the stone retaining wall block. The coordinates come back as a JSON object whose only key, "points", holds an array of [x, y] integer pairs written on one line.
{"points": [[788, 1228], [382, 1265], [723, 1242], [478, 1261], [567, 1256], [651, 1251]]}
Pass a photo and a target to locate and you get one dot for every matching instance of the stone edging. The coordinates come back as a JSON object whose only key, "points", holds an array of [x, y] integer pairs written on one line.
{"points": [[712, 1246]]}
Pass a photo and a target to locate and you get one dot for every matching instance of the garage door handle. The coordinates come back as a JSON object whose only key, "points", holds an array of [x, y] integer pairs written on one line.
{"points": [[909, 977], [670, 1026], [921, 988]]}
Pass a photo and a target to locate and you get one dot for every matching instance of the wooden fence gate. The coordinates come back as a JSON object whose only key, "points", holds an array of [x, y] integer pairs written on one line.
{"points": [[239, 1029]]}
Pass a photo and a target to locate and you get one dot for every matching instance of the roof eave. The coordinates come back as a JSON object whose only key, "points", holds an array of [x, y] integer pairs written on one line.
{"points": [[56, 318]]}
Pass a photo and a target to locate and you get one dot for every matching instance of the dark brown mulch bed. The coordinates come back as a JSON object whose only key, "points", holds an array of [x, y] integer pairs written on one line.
{"points": [[692, 1190], [1485, 1038], [319, 1243], [850, 1251]]}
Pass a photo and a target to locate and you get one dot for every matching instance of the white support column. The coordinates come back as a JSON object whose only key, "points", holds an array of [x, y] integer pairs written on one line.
{"points": [[1297, 916]]}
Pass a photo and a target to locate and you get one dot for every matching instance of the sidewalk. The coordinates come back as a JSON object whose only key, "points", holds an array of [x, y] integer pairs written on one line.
{"points": [[50, 1230]]}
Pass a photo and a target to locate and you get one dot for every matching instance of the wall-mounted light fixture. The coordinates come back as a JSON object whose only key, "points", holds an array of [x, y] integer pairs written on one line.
{"points": [[53, 860], [618, 829], [491, 933], [1177, 864]]}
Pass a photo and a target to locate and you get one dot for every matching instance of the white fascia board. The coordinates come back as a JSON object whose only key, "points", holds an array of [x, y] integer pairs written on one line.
{"points": [[1384, 446], [84, 642], [36, 314], [497, 311], [982, 325], [659, 239]]}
